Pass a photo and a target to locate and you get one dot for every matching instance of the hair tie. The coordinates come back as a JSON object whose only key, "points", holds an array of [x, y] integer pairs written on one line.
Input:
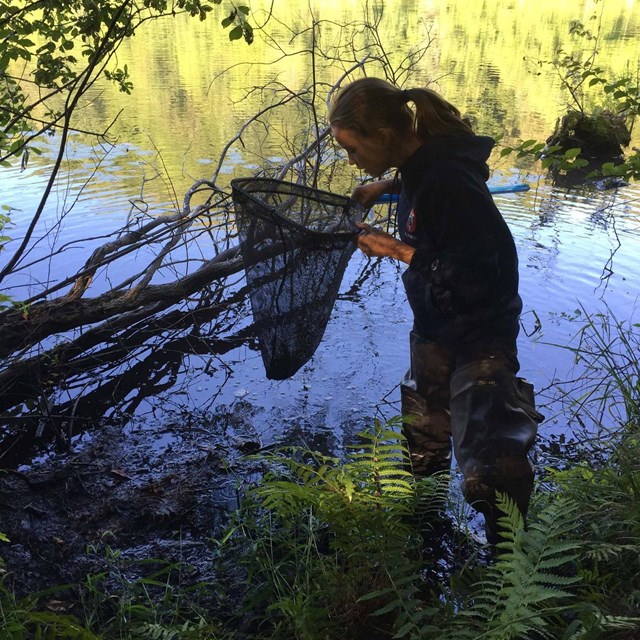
{"points": [[405, 95]]}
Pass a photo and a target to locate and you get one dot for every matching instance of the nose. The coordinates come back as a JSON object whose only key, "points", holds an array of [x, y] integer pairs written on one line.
{"points": [[351, 160]]}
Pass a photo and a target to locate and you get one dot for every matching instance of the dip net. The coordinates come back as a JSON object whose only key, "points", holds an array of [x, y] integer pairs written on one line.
{"points": [[296, 242]]}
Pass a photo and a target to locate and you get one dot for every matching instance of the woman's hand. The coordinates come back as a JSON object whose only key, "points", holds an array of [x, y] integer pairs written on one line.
{"points": [[378, 244], [367, 194]]}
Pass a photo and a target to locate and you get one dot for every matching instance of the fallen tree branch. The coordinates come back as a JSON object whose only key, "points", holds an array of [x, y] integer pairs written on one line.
{"points": [[20, 329]]}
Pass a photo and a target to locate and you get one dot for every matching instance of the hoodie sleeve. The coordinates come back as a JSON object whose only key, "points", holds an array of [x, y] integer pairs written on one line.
{"points": [[457, 253]]}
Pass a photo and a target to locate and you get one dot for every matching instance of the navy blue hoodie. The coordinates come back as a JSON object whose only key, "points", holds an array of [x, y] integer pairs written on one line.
{"points": [[462, 283]]}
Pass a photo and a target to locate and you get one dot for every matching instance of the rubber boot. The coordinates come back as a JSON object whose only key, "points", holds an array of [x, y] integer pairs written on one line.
{"points": [[427, 432], [425, 394], [494, 424], [513, 477]]}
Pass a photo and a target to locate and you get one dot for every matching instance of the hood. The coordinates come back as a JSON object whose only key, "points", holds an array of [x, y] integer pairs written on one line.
{"points": [[473, 151]]}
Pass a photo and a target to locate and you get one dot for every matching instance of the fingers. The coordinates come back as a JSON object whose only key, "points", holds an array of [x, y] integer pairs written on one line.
{"points": [[367, 194], [367, 228], [361, 195], [372, 241], [364, 247]]}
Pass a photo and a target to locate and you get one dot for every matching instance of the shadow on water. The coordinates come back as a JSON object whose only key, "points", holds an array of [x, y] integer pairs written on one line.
{"points": [[121, 444], [144, 376], [53, 400]]}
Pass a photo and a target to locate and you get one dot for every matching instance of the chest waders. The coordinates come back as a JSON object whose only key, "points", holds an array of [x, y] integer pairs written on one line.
{"points": [[471, 402]]}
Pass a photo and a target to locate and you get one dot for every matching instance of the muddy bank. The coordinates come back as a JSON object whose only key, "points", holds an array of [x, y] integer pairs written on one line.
{"points": [[148, 493]]}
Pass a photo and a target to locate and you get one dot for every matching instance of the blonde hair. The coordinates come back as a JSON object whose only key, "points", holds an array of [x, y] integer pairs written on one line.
{"points": [[369, 104]]}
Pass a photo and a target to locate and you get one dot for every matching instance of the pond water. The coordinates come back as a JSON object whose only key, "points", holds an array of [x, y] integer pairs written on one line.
{"points": [[578, 247]]}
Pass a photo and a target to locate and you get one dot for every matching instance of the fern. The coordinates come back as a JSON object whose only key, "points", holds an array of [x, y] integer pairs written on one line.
{"points": [[333, 540], [527, 588], [334, 549], [609, 501]]}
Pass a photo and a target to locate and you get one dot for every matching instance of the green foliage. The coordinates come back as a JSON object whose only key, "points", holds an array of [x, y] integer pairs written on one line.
{"points": [[328, 542], [608, 498], [551, 156], [120, 77], [23, 619], [241, 28], [530, 584], [64, 48], [327, 548], [627, 170], [606, 485], [582, 76], [606, 393], [5, 221], [331, 550]]}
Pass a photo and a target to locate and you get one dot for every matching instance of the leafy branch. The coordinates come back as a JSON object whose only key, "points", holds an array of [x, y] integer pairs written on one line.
{"points": [[40, 41]]}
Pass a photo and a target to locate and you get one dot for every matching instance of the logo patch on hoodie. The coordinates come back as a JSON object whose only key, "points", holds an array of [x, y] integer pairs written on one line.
{"points": [[412, 222]]}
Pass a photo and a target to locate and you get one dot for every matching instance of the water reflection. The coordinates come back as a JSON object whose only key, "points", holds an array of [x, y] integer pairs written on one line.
{"points": [[196, 363], [201, 358], [111, 374]]}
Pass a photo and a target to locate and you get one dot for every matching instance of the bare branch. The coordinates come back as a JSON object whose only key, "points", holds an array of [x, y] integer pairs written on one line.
{"points": [[18, 331]]}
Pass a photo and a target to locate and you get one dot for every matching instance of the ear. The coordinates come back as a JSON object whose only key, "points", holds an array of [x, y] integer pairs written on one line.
{"points": [[386, 136]]}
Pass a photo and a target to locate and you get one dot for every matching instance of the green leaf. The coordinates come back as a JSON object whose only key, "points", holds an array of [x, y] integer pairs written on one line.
{"points": [[405, 629], [49, 47], [609, 169], [578, 163], [570, 154], [236, 33]]}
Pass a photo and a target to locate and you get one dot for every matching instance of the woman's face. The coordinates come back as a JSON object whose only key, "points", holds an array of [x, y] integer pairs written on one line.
{"points": [[369, 154]]}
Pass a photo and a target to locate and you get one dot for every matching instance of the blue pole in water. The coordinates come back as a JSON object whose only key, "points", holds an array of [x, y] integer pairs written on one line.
{"points": [[504, 188]]}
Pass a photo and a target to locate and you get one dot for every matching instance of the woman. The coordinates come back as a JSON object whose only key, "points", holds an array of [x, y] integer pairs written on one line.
{"points": [[461, 283]]}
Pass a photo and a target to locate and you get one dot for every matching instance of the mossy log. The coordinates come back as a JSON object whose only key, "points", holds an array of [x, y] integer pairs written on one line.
{"points": [[601, 135]]}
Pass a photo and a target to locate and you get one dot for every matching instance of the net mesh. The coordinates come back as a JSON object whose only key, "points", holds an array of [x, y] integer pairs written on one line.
{"points": [[296, 242]]}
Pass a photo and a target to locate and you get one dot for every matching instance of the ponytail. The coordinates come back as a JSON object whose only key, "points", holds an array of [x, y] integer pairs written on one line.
{"points": [[434, 116], [370, 104]]}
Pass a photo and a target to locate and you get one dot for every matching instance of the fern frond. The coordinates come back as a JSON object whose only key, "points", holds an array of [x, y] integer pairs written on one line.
{"points": [[520, 594]]}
